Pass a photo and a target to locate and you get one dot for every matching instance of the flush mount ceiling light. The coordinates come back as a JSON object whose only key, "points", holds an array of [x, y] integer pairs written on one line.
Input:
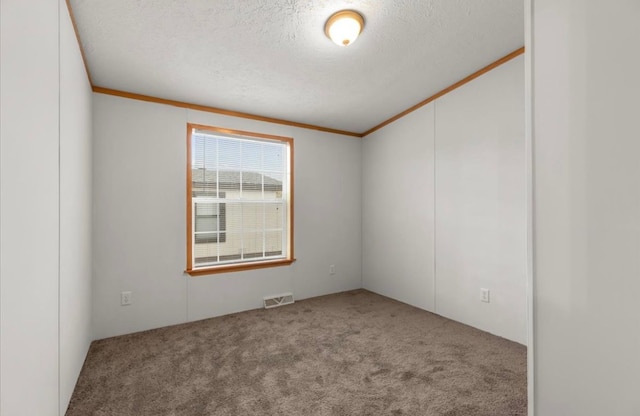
{"points": [[344, 27]]}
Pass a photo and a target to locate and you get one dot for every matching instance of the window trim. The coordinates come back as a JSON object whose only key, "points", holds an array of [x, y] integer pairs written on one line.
{"points": [[250, 265]]}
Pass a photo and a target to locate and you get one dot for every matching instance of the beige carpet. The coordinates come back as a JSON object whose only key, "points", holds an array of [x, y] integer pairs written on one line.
{"points": [[354, 353]]}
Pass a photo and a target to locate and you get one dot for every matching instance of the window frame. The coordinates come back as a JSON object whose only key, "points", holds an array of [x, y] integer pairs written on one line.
{"points": [[245, 265]]}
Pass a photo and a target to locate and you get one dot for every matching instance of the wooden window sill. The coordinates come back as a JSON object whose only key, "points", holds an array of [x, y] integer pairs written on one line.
{"points": [[228, 268]]}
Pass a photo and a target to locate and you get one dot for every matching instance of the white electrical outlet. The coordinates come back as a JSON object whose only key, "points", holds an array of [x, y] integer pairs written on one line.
{"points": [[484, 295], [332, 269], [125, 298]]}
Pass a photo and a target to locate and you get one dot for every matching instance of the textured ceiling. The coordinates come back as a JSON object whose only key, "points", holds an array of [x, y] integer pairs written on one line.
{"points": [[272, 58]]}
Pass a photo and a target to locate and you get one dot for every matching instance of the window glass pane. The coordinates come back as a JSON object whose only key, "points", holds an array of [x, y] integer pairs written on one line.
{"points": [[251, 156], [209, 224], [252, 216], [253, 244], [206, 238], [273, 243], [229, 181], [229, 156], [251, 176], [197, 177], [206, 208], [273, 215], [273, 183], [204, 152], [274, 157], [197, 151], [252, 185], [233, 217], [231, 249], [204, 165], [206, 190], [205, 251], [211, 154]]}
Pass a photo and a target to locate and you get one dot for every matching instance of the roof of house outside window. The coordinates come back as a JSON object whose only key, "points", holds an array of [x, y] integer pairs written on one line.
{"points": [[231, 180]]}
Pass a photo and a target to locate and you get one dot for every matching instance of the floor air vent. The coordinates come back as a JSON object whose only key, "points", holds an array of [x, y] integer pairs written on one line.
{"points": [[278, 300]]}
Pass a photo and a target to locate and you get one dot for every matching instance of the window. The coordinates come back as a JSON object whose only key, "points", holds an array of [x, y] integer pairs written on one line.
{"points": [[239, 200]]}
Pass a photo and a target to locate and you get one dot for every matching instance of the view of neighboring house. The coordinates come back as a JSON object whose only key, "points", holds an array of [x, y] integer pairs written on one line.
{"points": [[238, 215]]}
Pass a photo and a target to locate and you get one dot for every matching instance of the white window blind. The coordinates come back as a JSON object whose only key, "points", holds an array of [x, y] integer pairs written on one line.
{"points": [[239, 199]]}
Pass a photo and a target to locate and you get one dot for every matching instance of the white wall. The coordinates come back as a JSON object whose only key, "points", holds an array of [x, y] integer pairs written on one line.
{"points": [[45, 213], [481, 202], [139, 219], [29, 208], [586, 207], [75, 209], [444, 207], [398, 208]]}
